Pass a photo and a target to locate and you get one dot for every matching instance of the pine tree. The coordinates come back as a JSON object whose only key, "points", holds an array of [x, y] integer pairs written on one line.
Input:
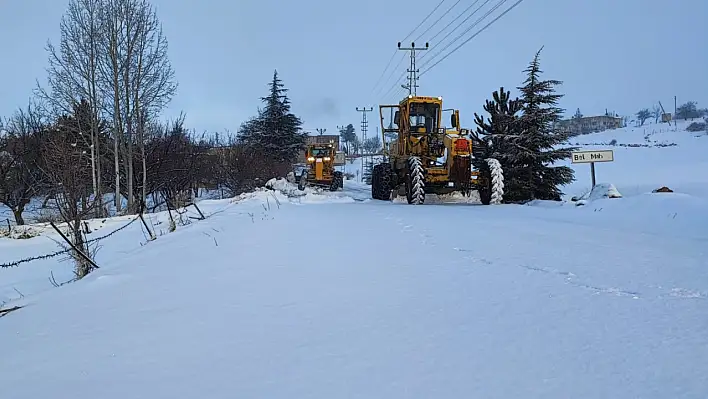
{"points": [[275, 133], [368, 168], [348, 134], [494, 137], [536, 149]]}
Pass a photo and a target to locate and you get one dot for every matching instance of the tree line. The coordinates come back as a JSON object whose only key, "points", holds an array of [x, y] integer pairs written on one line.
{"points": [[91, 141], [352, 144], [686, 111]]}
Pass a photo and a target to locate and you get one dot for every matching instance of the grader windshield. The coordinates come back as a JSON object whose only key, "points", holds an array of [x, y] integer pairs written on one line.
{"points": [[320, 151], [424, 117]]}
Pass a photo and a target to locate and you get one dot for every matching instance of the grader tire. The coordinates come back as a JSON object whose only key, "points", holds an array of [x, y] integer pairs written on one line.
{"points": [[340, 179], [303, 181], [381, 183], [485, 195], [415, 181], [493, 190], [337, 181]]}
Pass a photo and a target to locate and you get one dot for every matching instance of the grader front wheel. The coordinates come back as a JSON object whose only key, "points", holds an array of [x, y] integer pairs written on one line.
{"points": [[337, 181], [415, 181], [302, 183]]}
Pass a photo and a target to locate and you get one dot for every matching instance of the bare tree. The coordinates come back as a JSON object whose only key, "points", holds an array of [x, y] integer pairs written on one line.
{"points": [[21, 160], [73, 75], [68, 170], [656, 113], [112, 53], [153, 81], [140, 80]]}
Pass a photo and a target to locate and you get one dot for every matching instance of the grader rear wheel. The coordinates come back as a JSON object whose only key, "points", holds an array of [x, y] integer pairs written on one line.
{"points": [[381, 182], [492, 191]]}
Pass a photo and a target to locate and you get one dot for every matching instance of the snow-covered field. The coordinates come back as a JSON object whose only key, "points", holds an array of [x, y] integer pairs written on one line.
{"points": [[328, 295]]}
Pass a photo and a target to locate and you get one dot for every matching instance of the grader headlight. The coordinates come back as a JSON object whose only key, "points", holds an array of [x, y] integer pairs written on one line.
{"points": [[310, 159]]}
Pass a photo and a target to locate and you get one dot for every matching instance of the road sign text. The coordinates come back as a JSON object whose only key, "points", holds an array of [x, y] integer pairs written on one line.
{"points": [[593, 156]]}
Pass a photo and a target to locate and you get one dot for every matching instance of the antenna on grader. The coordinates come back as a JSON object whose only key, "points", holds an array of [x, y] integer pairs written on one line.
{"points": [[412, 71]]}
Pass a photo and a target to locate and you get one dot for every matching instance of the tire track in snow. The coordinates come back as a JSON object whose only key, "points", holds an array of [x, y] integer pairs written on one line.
{"points": [[570, 278]]}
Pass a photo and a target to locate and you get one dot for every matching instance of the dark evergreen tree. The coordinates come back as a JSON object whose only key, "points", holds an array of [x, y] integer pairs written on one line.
{"points": [[495, 136], [688, 110], [538, 146], [368, 168], [348, 134], [276, 132], [579, 115]]}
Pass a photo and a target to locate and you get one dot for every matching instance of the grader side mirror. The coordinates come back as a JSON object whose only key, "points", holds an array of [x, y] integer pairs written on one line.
{"points": [[397, 118], [453, 120]]}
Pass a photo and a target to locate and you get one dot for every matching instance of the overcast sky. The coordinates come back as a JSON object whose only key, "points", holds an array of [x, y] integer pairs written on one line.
{"points": [[614, 54]]}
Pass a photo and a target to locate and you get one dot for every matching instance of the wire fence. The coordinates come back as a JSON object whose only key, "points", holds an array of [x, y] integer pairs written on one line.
{"points": [[65, 251]]}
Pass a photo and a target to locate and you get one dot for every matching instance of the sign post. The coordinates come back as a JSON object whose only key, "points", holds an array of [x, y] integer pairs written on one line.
{"points": [[591, 157]]}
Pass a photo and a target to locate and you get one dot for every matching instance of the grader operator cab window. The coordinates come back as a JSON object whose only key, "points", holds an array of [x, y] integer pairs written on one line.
{"points": [[319, 152], [423, 118]]}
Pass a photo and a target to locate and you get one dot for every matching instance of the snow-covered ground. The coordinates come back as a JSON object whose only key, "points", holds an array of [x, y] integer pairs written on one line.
{"points": [[646, 158], [328, 295]]}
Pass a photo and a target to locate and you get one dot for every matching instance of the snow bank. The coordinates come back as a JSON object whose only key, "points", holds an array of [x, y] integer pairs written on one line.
{"points": [[600, 191], [309, 194], [677, 214]]}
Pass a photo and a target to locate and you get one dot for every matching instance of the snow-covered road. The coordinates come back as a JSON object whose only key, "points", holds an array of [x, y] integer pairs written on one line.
{"points": [[375, 300]]}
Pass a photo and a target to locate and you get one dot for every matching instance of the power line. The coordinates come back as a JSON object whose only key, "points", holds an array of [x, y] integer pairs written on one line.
{"points": [[423, 21], [494, 8], [458, 26], [407, 36], [398, 93], [473, 36], [393, 72], [398, 84], [453, 21], [437, 20], [384, 71]]}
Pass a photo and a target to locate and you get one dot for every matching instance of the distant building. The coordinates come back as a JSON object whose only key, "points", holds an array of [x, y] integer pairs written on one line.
{"points": [[589, 124]]}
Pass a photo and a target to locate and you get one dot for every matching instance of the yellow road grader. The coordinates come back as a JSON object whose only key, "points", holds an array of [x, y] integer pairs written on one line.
{"points": [[427, 158], [321, 159]]}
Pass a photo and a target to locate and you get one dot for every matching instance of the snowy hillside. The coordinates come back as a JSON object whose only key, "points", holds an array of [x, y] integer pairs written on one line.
{"points": [[327, 295], [647, 158]]}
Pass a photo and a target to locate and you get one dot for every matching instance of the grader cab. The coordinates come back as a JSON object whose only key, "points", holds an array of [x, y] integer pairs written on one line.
{"points": [[427, 158], [320, 169]]}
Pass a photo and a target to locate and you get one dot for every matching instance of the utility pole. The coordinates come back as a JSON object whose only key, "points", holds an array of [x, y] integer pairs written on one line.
{"points": [[321, 131], [342, 144], [364, 128], [412, 71]]}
